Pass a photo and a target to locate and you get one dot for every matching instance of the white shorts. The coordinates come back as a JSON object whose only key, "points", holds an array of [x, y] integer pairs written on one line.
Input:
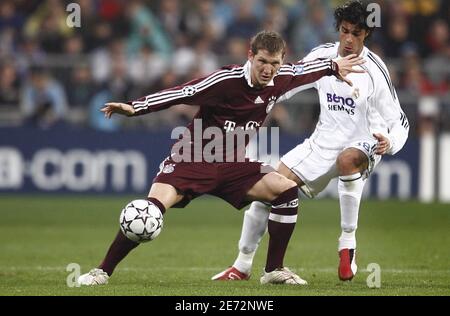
{"points": [[316, 166]]}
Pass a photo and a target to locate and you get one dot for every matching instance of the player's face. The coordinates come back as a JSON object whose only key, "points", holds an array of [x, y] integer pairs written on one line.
{"points": [[264, 66], [351, 39]]}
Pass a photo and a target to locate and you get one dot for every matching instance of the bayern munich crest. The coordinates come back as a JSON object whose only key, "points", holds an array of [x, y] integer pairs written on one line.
{"points": [[168, 168]]}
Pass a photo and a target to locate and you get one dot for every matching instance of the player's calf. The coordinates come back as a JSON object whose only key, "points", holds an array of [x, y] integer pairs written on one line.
{"points": [[122, 245], [282, 220], [350, 189], [253, 229]]}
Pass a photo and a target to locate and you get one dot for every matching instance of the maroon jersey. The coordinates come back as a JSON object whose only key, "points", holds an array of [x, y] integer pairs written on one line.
{"points": [[228, 100]]}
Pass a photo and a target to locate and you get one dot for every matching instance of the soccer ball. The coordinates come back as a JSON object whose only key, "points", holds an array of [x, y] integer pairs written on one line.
{"points": [[141, 221]]}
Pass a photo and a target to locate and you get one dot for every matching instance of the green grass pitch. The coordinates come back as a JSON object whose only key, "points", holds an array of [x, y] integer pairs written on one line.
{"points": [[40, 236]]}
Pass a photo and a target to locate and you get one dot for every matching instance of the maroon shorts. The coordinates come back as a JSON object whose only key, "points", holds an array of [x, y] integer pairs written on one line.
{"points": [[228, 180]]}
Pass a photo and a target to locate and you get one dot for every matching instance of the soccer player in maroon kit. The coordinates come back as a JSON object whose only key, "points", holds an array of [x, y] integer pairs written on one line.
{"points": [[232, 99]]}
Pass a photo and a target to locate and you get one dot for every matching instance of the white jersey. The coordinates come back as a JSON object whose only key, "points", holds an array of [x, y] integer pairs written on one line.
{"points": [[349, 114]]}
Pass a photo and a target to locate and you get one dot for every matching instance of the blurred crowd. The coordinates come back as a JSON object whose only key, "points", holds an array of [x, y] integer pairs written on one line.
{"points": [[53, 74]]}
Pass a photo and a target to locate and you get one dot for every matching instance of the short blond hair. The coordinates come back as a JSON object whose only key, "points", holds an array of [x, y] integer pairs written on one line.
{"points": [[268, 40]]}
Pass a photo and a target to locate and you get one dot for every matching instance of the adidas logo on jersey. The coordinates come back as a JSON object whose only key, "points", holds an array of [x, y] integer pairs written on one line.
{"points": [[258, 100]]}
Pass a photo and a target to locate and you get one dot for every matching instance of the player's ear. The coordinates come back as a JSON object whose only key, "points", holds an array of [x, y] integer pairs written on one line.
{"points": [[250, 55]]}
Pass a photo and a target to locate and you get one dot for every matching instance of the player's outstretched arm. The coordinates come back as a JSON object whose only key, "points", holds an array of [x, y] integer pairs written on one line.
{"points": [[346, 65], [119, 108]]}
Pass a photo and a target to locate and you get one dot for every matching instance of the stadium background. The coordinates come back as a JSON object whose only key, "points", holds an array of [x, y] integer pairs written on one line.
{"points": [[56, 145]]}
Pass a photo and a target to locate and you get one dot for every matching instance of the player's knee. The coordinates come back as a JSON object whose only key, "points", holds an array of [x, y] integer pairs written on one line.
{"points": [[258, 211], [350, 161], [287, 185], [287, 188], [277, 184]]}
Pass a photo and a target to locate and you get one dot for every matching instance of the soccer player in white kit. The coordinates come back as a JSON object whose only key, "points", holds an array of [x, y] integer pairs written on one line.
{"points": [[357, 125]]}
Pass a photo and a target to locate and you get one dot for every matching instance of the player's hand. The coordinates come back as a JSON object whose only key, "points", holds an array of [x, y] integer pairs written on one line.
{"points": [[346, 65], [119, 108], [383, 144]]}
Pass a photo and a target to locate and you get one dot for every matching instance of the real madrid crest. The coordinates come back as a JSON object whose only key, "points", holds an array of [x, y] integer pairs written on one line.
{"points": [[272, 101], [298, 69]]}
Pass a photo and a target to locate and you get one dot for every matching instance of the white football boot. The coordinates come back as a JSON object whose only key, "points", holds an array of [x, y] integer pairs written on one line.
{"points": [[282, 276], [94, 277]]}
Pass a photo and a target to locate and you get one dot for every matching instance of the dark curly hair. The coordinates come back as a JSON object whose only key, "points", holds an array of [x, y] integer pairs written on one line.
{"points": [[354, 12]]}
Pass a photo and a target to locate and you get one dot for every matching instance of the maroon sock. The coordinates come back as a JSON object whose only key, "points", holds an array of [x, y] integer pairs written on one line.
{"points": [[158, 204], [121, 246], [118, 250], [282, 219]]}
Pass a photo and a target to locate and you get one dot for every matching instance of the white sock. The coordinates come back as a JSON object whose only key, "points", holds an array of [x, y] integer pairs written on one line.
{"points": [[347, 240], [244, 262], [253, 229], [350, 190]]}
